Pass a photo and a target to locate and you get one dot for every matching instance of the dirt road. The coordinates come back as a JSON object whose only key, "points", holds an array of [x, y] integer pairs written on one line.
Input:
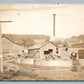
{"points": [[14, 71]]}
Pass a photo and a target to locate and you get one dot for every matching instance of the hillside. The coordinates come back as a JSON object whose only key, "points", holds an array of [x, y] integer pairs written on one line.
{"points": [[28, 39], [14, 43], [76, 39], [18, 38], [9, 47]]}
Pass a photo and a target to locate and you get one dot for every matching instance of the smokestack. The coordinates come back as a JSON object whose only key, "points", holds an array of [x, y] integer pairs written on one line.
{"points": [[54, 25]]}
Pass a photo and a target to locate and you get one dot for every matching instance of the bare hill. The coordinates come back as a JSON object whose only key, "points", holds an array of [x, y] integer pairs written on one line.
{"points": [[76, 39]]}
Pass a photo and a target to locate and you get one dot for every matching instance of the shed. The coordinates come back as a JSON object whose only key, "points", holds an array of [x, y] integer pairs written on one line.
{"points": [[40, 50]]}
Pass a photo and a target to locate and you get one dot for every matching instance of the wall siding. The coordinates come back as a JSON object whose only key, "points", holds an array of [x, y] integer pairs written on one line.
{"points": [[34, 53], [9, 47], [45, 48]]}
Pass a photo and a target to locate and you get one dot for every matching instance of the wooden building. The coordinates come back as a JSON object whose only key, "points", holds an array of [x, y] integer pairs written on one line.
{"points": [[78, 49], [41, 50], [10, 47]]}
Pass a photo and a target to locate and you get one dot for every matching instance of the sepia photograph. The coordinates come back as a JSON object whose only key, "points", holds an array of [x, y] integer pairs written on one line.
{"points": [[42, 42]]}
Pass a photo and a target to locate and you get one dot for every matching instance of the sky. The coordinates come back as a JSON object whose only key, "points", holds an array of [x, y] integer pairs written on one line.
{"points": [[38, 19]]}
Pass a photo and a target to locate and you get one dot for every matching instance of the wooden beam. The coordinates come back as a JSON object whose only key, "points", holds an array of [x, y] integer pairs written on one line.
{"points": [[1, 55], [1, 46], [54, 25], [5, 21]]}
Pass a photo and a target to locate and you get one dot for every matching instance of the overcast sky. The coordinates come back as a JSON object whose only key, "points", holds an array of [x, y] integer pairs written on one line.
{"points": [[38, 19]]}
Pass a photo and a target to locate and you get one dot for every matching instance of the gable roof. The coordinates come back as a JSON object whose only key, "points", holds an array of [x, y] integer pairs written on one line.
{"points": [[39, 45], [11, 40]]}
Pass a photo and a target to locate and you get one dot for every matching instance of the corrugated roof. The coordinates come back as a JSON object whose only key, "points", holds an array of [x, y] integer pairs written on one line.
{"points": [[39, 45]]}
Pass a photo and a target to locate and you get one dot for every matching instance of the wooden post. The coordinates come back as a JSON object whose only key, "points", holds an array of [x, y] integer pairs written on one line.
{"points": [[54, 25], [1, 56], [1, 50]]}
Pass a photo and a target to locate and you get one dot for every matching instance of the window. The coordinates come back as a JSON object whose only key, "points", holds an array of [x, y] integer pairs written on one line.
{"points": [[56, 48], [57, 52], [46, 52], [22, 51], [19, 55], [50, 50], [66, 49]]}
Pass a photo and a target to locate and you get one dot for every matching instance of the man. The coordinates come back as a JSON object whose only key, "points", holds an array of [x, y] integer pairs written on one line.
{"points": [[75, 63]]}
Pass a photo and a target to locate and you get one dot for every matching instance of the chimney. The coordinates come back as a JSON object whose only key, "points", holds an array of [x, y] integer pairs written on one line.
{"points": [[54, 25]]}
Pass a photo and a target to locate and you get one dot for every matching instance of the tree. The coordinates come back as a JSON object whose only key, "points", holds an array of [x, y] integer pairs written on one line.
{"points": [[27, 42]]}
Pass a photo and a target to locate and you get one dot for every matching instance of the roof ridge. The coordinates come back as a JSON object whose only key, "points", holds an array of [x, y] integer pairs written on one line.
{"points": [[10, 40], [39, 45]]}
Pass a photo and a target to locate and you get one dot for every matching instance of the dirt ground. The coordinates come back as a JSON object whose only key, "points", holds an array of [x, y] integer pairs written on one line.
{"points": [[14, 71]]}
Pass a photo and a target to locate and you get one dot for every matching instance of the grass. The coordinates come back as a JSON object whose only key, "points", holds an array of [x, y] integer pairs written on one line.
{"points": [[15, 71]]}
